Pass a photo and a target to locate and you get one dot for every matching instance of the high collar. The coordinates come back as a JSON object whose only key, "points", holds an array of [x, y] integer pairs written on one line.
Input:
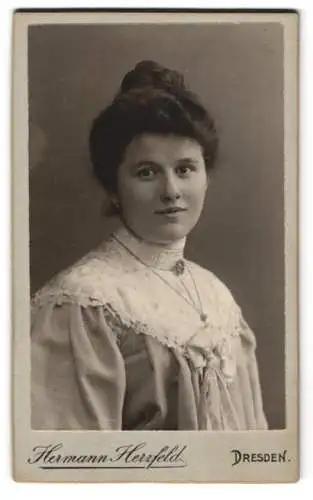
{"points": [[162, 257]]}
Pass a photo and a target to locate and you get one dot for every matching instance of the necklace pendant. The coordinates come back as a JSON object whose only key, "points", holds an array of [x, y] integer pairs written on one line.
{"points": [[203, 317]]}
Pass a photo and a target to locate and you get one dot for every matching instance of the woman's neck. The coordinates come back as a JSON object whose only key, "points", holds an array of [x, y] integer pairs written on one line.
{"points": [[159, 256]]}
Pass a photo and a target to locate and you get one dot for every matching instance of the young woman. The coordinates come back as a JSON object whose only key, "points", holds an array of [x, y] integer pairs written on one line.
{"points": [[134, 336]]}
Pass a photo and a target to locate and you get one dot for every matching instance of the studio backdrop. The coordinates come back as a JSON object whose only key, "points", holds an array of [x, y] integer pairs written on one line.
{"points": [[237, 70]]}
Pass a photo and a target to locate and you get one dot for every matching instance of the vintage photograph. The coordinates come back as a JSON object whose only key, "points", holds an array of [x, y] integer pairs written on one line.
{"points": [[157, 270]]}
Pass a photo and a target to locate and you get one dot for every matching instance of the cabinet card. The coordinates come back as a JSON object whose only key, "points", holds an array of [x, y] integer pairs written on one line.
{"points": [[155, 236]]}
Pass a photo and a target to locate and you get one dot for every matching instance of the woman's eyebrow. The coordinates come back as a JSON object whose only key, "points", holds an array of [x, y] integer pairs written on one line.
{"points": [[188, 160], [142, 163], [152, 163]]}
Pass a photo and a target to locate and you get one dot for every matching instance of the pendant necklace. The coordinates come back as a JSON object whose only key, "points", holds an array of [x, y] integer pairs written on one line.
{"points": [[203, 315], [178, 269]]}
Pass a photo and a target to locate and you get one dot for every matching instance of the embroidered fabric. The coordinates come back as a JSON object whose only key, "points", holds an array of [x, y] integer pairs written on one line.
{"points": [[110, 278]]}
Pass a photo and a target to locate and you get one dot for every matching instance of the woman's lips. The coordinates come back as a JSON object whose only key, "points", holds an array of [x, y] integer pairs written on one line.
{"points": [[171, 214], [170, 211]]}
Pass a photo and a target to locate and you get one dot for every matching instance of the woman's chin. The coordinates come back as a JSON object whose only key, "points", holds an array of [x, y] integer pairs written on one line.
{"points": [[167, 234], [161, 234]]}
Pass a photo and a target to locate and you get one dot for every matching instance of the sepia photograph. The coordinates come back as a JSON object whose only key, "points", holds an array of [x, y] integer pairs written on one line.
{"points": [[155, 277]]}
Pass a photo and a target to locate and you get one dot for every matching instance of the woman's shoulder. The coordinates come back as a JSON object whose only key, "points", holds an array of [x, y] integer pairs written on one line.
{"points": [[85, 282]]}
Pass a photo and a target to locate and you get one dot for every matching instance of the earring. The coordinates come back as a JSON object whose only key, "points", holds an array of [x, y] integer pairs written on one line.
{"points": [[110, 207], [115, 208], [116, 203]]}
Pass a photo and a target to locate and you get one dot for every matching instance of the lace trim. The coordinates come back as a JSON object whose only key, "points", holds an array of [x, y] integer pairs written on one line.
{"points": [[83, 285], [210, 346], [55, 297], [215, 353]]}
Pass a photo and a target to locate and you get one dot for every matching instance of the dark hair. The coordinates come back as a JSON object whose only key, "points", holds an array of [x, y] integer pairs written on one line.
{"points": [[151, 99]]}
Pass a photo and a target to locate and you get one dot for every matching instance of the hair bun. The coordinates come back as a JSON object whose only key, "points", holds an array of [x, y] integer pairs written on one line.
{"points": [[151, 74]]}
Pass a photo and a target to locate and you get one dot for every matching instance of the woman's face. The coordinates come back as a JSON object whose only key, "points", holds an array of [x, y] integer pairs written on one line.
{"points": [[161, 186]]}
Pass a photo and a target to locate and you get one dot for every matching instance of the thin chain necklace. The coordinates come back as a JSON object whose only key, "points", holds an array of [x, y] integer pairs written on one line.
{"points": [[190, 301]]}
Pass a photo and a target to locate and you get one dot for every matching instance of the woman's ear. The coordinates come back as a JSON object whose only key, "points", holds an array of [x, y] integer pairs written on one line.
{"points": [[111, 205], [115, 205], [114, 200]]}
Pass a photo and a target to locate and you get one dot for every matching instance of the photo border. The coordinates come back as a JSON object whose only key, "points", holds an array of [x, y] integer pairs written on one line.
{"points": [[209, 458]]}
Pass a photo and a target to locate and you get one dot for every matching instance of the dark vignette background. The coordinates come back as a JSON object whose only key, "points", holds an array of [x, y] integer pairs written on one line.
{"points": [[237, 69]]}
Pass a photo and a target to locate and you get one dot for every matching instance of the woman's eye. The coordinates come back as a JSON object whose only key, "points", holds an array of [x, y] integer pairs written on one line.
{"points": [[146, 173], [184, 170]]}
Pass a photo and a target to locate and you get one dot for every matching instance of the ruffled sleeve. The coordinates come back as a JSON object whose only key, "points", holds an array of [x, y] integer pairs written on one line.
{"points": [[78, 372]]}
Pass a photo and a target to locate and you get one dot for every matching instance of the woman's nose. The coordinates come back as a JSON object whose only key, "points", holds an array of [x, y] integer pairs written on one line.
{"points": [[170, 190]]}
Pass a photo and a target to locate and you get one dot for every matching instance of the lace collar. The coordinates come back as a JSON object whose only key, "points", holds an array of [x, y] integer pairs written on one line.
{"points": [[162, 257]]}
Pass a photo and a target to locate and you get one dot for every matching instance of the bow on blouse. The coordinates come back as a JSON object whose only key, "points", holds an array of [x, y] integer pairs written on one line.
{"points": [[215, 368]]}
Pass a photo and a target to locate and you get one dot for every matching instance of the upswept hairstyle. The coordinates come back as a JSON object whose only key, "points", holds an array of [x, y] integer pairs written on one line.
{"points": [[151, 99]]}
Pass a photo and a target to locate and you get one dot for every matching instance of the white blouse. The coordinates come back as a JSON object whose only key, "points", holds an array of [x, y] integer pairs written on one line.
{"points": [[118, 343]]}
